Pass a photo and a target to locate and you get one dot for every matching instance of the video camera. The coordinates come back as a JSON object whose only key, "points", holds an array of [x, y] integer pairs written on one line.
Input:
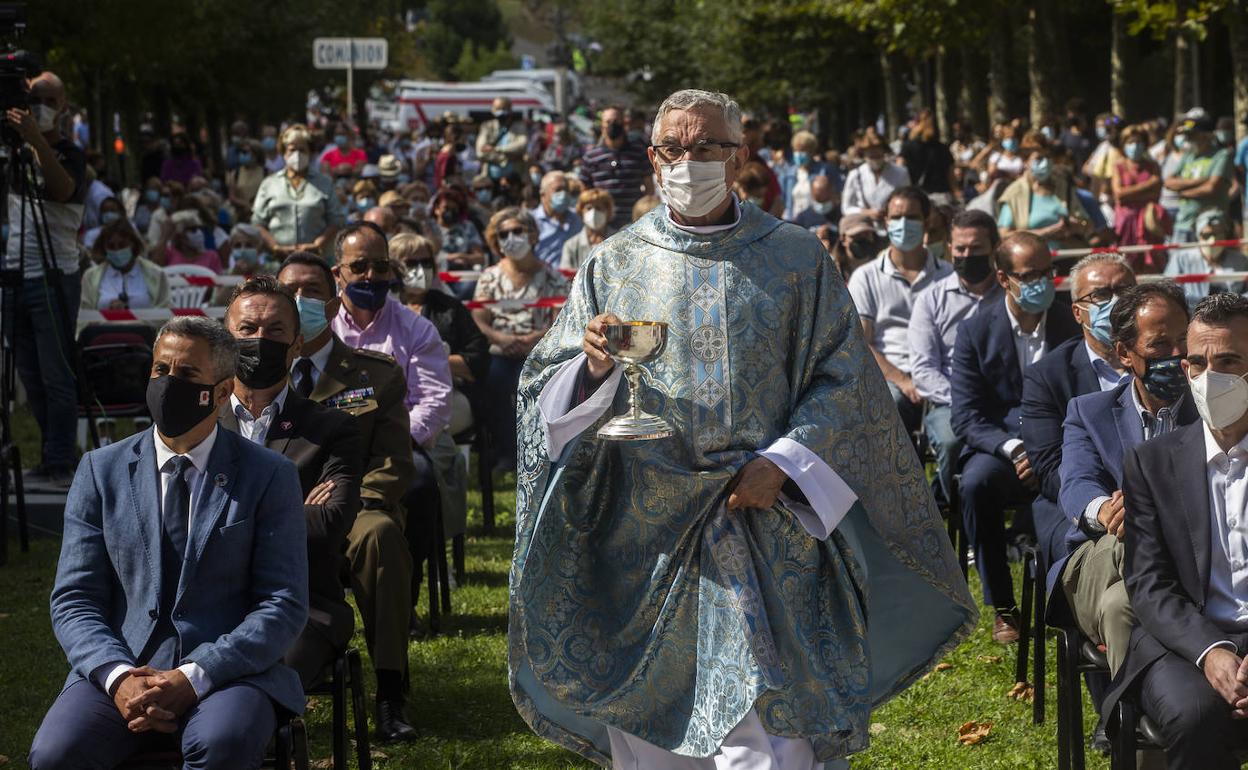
{"points": [[17, 67]]}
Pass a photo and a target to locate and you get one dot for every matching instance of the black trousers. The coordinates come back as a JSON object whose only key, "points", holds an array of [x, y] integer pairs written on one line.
{"points": [[1194, 719]]}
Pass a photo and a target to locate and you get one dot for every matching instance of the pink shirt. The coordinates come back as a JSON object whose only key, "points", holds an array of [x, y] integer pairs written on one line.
{"points": [[336, 157], [414, 343], [206, 258]]}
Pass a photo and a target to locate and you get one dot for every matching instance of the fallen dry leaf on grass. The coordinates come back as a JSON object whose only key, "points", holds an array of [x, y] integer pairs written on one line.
{"points": [[943, 666], [973, 733], [378, 755], [322, 764], [4, 760], [876, 728], [990, 659], [1022, 691]]}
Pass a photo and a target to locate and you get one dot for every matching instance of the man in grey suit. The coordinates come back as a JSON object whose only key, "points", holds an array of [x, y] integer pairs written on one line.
{"points": [[183, 579]]}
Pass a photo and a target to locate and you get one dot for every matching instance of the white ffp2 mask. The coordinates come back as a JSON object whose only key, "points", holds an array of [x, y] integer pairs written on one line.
{"points": [[693, 188], [1220, 398]]}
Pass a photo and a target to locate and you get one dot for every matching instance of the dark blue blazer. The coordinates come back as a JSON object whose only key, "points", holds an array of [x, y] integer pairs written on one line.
{"points": [[986, 382], [1048, 387], [243, 594], [1100, 429]]}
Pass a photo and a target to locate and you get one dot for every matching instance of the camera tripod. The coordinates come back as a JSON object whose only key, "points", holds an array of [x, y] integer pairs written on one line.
{"points": [[17, 163]]}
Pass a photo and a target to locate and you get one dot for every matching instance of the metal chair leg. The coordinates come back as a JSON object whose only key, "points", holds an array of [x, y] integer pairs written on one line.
{"points": [[1039, 663], [1024, 624], [457, 556], [281, 747], [355, 674], [433, 575], [19, 495], [444, 578], [1123, 757], [299, 744], [485, 478], [1064, 666], [1074, 704], [339, 685]]}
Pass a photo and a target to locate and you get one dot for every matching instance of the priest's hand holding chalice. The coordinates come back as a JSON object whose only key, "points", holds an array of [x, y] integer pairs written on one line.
{"points": [[631, 343]]}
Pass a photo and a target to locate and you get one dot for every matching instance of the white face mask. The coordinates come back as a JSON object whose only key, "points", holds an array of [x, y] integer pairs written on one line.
{"points": [[694, 188], [45, 116], [596, 220], [297, 160], [417, 278], [516, 246], [1220, 398]]}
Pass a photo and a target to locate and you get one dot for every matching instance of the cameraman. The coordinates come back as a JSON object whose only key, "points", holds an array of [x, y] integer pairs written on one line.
{"points": [[46, 308]]}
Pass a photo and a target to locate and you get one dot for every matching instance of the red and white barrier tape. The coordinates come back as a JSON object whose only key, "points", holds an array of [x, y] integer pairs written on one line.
{"points": [[455, 276], [145, 314], [1063, 282], [1142, 248]]}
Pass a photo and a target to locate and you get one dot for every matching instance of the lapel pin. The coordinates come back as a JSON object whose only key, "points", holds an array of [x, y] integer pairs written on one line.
{"points": [[220, 479]]}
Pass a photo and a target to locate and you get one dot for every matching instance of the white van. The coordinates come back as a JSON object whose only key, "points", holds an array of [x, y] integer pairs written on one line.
{"points": [[545, 77], [420, 102]]}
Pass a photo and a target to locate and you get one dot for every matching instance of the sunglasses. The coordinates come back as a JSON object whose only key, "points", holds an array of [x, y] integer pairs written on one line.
{"points": [[361, 266], [512, 231]]}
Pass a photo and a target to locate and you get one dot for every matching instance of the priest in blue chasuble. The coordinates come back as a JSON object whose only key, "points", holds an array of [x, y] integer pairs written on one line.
{"points": [[743, 593]]}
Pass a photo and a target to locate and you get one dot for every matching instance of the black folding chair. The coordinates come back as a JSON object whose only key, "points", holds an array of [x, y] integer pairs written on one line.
{"points": [[1076, 655], [346, 675], [116, 361], [1031, 630]]}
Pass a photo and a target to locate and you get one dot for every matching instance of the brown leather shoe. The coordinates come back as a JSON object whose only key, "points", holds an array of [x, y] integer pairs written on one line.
{"points": [[1004, 629]]}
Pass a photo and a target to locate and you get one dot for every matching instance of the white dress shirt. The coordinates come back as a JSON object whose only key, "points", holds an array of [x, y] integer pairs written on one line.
{"points": [[320, 361], [256, 429], [1106, 373], [108, 674], [1030, 348], [1227, 605]]}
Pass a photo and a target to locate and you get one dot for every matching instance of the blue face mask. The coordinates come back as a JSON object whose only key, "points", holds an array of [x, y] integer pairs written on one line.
{"points": [[245, 255], [312, 320], [536, 179], [166, 202], [559, 201], [1098, 320], [1133, 150], [484, 195], [340, 140], [822, 207], [905, 234], [800, 158], [268, 143], [119, 258], [151, 196], [1041, 169], [1180, 142], [1101, 133], [244, 158], [1164, 378], [364, 204], [109, 217], [1035, 296], [1009, 145], [368, 295]]}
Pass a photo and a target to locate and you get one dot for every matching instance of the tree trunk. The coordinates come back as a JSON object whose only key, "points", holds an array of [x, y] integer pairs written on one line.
{"points": [[998, 66], [892, 94], [1182, 88], [943, 102], [972, 92], [1118, 55], [1237, 23], [1041, 101]]}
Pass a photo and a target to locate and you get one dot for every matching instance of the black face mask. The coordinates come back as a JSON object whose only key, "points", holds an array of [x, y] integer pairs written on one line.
{"points": [[1164, 378], [178, 405], [863, 249], [261, 362], [973, 268], [615, 130]]}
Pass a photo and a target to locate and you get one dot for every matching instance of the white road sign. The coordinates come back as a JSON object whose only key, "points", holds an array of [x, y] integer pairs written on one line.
{"points": [[340, 53]]}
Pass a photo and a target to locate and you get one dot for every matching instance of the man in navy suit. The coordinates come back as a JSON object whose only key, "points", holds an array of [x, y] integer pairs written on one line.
{"points": [[1149, 325], [1186, 567], [182, 581], [1083, 364], [993, 349]]}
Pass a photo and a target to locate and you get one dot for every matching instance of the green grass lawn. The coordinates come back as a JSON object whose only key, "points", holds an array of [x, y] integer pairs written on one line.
{"points": [[460, 704]]}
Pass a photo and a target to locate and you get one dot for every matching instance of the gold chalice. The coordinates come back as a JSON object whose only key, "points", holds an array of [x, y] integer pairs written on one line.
{"points": [[633, 343]]}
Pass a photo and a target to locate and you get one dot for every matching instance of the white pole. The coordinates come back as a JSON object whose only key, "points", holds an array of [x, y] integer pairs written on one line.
{"points": [[350, 84]]}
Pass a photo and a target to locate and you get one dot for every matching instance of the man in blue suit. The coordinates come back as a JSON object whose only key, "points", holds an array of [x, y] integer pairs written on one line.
{"points": [[1150, 337], [993, 349], [182, 581], [1083, 364]]}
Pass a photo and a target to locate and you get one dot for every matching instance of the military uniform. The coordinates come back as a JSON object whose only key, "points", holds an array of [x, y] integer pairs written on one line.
{"points": [[371, 387]]}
